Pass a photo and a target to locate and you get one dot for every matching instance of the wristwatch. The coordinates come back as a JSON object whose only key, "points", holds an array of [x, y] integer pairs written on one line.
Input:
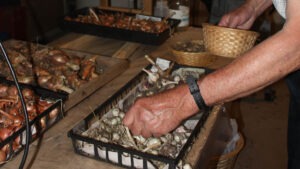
{"points": [[195, 91]]}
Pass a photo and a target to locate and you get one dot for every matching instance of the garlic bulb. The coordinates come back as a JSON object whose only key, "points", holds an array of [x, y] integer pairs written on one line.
{"points": [[152, 77]]}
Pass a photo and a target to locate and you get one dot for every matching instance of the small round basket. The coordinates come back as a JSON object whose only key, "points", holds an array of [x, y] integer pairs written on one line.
{"points": [[227, 42], [227, 161], [193, 58]]}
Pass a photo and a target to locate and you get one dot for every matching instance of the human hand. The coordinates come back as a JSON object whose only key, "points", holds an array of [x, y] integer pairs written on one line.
{"points": [[161, 113], [241, 18]]}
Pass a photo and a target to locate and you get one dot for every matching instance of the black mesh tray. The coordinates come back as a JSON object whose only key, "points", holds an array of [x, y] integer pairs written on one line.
{"points": [[83, 125], [35, 125], [117, 33]]}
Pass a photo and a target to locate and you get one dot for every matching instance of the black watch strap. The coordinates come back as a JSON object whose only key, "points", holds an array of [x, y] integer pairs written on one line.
{"points": [[195, 91]]}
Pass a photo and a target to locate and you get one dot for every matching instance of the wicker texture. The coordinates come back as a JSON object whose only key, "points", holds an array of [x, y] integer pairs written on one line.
{"points": [[227, 161], [198, 59], [227, 42]]}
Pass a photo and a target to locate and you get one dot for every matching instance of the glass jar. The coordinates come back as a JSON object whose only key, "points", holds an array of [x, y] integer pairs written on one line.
{"points": [[180, 9], [161, 8]]}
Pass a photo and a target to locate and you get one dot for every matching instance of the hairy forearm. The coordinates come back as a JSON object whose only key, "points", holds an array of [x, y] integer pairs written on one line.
{"points": [[259, 6], [264, 64]]}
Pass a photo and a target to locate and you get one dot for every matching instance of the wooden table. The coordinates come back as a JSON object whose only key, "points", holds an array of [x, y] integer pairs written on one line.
{"points": [[54, 149]]}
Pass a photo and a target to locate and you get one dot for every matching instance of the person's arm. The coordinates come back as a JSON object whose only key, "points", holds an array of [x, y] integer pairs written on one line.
{"points": [[244, 16], [264, 64]]}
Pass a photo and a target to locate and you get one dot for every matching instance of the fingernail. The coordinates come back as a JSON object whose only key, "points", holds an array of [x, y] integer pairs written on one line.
{"points": [[125, 121]]}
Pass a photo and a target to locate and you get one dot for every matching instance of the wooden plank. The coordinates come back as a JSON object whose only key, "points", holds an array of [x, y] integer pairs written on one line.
{"points": [[135, 11], [112, 67], [126, 50], [147, 7], [88, 43], [103, 2], [102, 46], [60, 42]]}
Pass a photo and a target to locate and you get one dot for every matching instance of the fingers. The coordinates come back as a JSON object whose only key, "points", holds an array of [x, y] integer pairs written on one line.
{"points": [[140, 125], [228, 21], [139, 128], [129, 117], [233, 23], [224, 21], [136, 118], [234, 20], [145, 119], [146, 133], [157, 134], [136, 128]]}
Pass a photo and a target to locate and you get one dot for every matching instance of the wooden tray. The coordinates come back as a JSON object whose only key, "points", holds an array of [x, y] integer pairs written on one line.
{"points": [[111, 68], [125, 34]]}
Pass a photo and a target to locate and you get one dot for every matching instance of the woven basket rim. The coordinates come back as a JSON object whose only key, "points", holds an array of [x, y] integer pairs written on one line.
{"points": [[201, 41], [240, 145], [185, 52], [229, 29], [193, 58]]}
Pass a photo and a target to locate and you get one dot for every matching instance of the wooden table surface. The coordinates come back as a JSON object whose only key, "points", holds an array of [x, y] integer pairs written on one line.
{"points": [[54, 149]]}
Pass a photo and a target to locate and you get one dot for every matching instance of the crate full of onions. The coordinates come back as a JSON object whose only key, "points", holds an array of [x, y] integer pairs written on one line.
{"points": [[44, 108]]}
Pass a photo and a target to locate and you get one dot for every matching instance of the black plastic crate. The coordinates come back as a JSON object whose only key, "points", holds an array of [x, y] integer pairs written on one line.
{"points": [[118, 150], [117, 33], [37, 128]]}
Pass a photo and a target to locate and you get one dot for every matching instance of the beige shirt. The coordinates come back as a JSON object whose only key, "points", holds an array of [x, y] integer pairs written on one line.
{"points": [[280, 6]]}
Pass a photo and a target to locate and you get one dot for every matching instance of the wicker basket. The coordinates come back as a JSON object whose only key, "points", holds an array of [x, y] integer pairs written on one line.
{"points": [[199, 59], [227, 161], [227, 42]]}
